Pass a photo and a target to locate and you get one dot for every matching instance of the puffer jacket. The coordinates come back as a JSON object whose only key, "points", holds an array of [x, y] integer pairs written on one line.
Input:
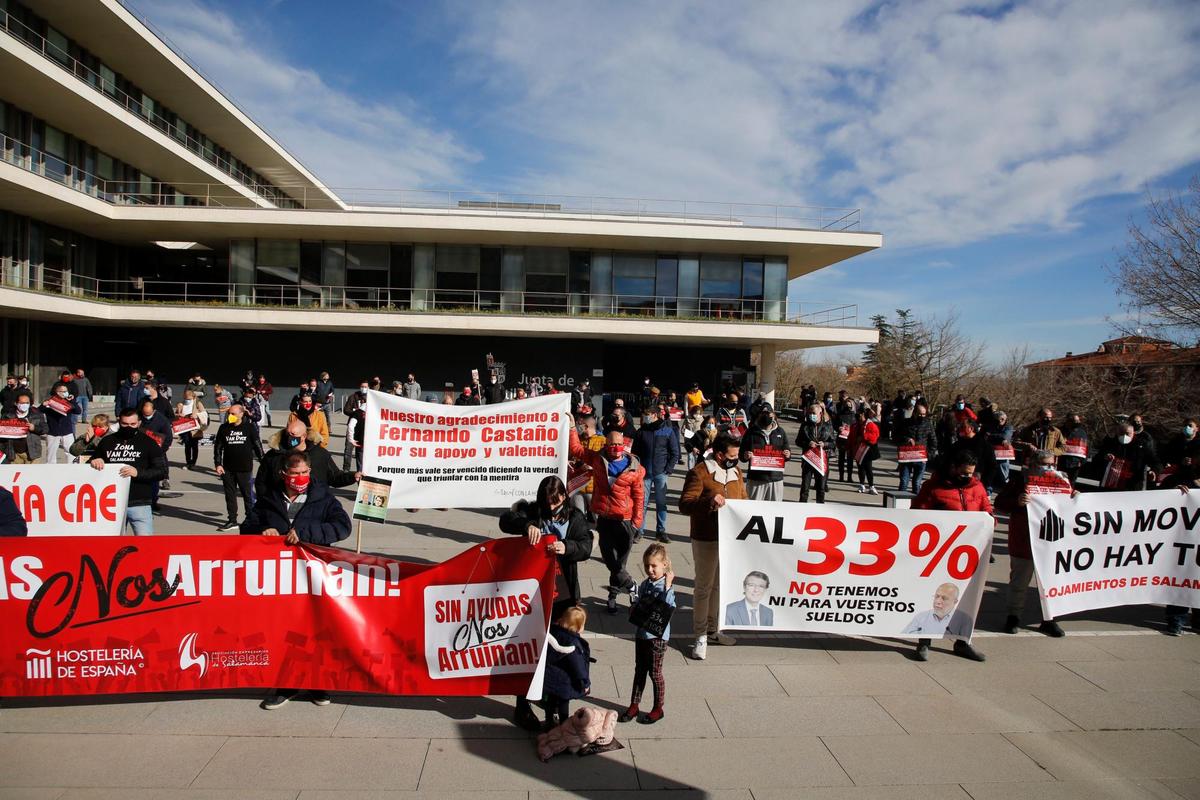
{"points": [[621, 497], [585, 726], [567, 665], [758, 439], [937, 495], [657, 446]]}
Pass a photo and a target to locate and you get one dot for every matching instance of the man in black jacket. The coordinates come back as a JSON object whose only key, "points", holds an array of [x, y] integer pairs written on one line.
{"points": [[918, 432], [295, 438], [814, 431], [12, 522], [763, 445], [235, 449], [302, 510], [143, 463]]}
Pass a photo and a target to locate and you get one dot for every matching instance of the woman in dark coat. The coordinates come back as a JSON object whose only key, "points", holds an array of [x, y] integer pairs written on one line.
{"points": [[551, 515]]}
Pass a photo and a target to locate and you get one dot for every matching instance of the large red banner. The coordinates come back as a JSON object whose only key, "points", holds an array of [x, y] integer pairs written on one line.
{"points": [[87, 615]]}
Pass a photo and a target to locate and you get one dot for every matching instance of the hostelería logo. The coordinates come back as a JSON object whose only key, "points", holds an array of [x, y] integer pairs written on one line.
{"points": [[38, 664], [204, 660], [105, 662]]}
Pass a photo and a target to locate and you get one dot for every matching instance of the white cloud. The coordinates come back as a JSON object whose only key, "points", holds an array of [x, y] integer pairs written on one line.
{"points": [[344, 140], [949, 121]]}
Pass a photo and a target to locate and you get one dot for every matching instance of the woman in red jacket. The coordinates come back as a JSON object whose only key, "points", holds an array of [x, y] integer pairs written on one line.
{"points": [[864, 447], [954, 489]]}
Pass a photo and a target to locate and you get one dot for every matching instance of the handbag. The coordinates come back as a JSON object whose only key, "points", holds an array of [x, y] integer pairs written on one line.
{"points": [[652, 613]]}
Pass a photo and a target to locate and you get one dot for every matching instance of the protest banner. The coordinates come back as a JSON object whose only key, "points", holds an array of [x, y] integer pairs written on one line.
{"points": [[13, 429], [768, 459], [183, 613], [676, 414], [1117, 473], [465, 456], [184, 425], [1075, 447], [68, 499], [850, 570], [1047, 483], [911, 454], [1102, 549], [1004, 452], [59, 405]]}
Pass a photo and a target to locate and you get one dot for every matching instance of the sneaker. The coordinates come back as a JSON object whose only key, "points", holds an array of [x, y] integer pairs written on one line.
{"points": [[722, 639], [1052, 628], [628, 714], [319, 698], [862, 488], [922, 653], [964, 650], [227, 526], [280, 698], [1012, 623], [872, 490], [1174, 629], [662, 537], [700, 648]]}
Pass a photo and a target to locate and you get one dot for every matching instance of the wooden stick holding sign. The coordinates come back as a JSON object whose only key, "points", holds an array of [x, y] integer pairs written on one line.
{"points": [[371, 503]]}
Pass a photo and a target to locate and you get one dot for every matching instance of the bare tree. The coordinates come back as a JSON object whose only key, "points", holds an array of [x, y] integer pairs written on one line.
{"points": [[1159, 270]]}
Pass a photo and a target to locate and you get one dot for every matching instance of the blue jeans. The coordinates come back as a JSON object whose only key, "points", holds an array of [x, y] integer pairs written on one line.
{"points": [[83, 405], [657, 484], [141, 519], [911, 472]]}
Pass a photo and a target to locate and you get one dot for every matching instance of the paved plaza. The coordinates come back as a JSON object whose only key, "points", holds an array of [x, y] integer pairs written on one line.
{"points": [[1113, 710]]}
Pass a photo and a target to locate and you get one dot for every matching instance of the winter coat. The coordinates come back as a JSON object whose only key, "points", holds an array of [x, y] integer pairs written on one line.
{"points": [[60, 424], [866, 432], [586, 726], [33, 439], [199, 389], [160, 427], [324, 392], [567, 663], [140, 452], [577, 538], [812, 432], [323, 469], [1078, 434], [130, 395], [1136, 453], [920, 430], [699, 488], [237, 447], [938, 495], [757, 439], [12, 522], [321, 520], [620, 497], [317, 423], [657, 446], [1034, 437], [985, 456]]}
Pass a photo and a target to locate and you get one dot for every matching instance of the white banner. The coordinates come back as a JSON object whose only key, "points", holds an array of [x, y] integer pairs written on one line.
{"points": [[439, 456], [68, 499], [1104, 549], [851, 570]]}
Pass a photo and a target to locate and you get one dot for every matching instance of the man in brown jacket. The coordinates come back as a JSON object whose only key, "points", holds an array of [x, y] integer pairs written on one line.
{"points": [[1041, 435], [707, 486]]}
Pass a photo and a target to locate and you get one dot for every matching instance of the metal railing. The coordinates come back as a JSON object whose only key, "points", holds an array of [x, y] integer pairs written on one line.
{"points": [[310, 296], [204, 148]]}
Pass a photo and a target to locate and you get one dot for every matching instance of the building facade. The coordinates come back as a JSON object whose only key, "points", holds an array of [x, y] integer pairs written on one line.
{"points": [[144, 218]]}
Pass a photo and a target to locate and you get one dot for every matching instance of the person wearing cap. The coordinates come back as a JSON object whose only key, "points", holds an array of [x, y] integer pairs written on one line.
{"points": [[467, 398], [765, 436]]}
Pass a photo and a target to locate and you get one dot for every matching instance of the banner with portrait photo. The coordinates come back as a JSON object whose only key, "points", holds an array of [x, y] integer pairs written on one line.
{"points": [[851, 570], [489, 456]]}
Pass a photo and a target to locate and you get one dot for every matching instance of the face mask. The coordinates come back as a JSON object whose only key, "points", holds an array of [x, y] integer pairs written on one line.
{"points": [[765, 421], [728, 463], [22, 407], [62, 394], [234, 419], [960, 480], [1046, 422], [297, 483], [647, 383], [1188, 431], [814, 417], [960, 406], [710, 428], [1137, 426], [24, 383], [647, 420], [912, 403], [1125, 438], [293, 441], [559, 510], [126, 433], [362, 389], [99, 431], [614, 452]]}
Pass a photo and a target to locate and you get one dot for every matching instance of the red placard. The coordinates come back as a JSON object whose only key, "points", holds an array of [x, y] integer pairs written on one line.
{"points": [[861, 452], [1047, 483], [768, 459], [226, 612], [737, 430], [578, 477], [56, 403], [1075, 447], [911, 453], [1167, 472], [157, 437], [1004, 452], [13, 429], [676, 414], [1116, 474], [817, 458], [844, 432], [184, 425]]}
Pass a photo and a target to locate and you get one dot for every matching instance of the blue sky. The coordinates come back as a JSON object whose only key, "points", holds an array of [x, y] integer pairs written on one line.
{"points": [[1000, 147]]}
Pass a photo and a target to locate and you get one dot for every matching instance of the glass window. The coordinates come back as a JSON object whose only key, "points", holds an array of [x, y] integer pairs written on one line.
{"points": [[56, 153], [720, 285], [580, 280], [512, 279], [689, 286], [667, 284], [423, 276], [602, 299], [633, 283], [546, 278], [490, 270], [241, 268], [457, 276], [108, 81], [57, 46], [775, 289], [752, 287], [401, 268]]}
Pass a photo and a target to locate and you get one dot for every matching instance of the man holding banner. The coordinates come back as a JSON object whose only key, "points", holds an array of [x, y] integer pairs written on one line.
{"points": [[141, 460]]}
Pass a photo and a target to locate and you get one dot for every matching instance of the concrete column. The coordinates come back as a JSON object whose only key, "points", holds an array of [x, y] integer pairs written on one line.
{"points": [[766, 372]]}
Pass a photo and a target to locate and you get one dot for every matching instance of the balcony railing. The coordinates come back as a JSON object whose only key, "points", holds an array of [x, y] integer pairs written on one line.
{"points": [[204, 148], [408, 300]]}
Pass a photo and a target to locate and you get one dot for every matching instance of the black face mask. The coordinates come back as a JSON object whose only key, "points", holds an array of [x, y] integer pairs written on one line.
{"points": [[960, 480], [124, 433], [293, 441]]}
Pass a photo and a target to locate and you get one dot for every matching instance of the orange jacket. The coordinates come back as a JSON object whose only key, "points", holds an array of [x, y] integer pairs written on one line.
{"points": [[622, 497]]}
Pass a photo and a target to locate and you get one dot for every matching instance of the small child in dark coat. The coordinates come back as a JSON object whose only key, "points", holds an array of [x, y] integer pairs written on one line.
{"points": [[567, 664]]}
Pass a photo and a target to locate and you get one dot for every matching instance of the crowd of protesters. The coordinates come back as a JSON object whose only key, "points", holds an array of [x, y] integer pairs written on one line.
{"points": [[964, 456]]}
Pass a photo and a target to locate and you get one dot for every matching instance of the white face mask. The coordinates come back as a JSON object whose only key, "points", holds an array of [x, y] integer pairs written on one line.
{"points": [[1126, 438]]}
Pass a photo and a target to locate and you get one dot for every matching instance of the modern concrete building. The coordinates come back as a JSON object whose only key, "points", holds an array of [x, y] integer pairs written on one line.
{"points": [[145, 219]]}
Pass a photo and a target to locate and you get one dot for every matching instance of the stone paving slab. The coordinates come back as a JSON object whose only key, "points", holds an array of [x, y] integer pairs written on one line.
{"points": [[426, 717], [667, 794], [993, 712], [1072, 790], [1031, 647], [314, 763], [1132, 676], [932, 758], [71, 716], [734, 763], [240, 716], [687, 718], [41, 759], [1116, 755], [937, 791], [1192, 733], [959, 675], [855, 679], [1188, 789], [781, 717], [699, 679], [341, 794], [1127, 710], [483, 765], [176, 794]]}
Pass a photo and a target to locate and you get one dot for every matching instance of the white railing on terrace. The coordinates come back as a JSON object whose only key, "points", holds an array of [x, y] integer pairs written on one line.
{"points": [[471, 203], [19, 275]]}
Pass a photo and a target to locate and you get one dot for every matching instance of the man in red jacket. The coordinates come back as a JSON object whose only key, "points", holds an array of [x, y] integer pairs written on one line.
{"points": [[617, 498], [953, 489]]}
